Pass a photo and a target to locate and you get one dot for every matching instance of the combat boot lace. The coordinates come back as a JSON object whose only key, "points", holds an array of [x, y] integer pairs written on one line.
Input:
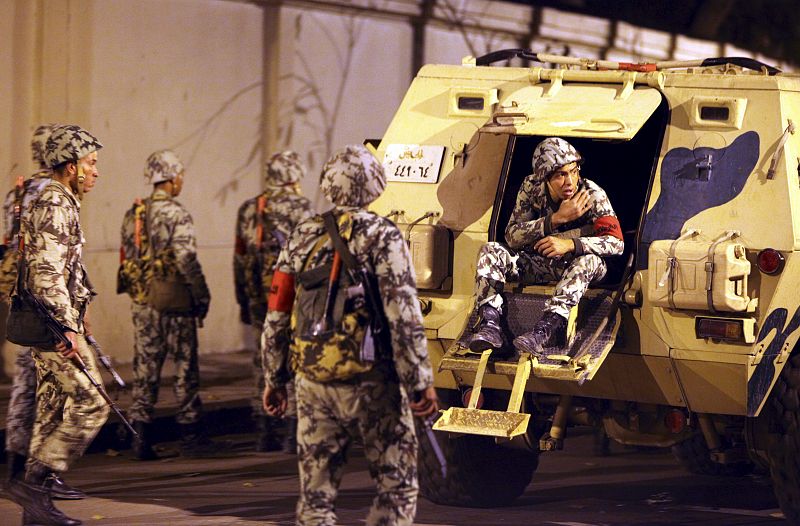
{"points": [[489, 335], [61, 490], [549, 331]]}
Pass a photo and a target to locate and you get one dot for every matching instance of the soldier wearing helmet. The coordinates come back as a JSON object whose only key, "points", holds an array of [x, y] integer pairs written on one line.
{"points": [[553, 203], [159, 232], [22, 403], [374, 404], [263, 224], [74, 411]]}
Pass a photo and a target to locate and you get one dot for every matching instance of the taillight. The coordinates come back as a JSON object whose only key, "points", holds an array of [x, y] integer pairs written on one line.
{"points": [[675, 420], [770, 261], [719, 328]]}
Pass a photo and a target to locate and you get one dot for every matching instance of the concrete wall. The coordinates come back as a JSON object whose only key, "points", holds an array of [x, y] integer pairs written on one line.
{"points": [[132, 74], [222, 81]]}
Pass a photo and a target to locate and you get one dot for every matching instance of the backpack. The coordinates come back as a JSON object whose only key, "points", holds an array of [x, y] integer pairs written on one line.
{"points": [[258, 267], [154, 281], [337, 320], [9, 256]]}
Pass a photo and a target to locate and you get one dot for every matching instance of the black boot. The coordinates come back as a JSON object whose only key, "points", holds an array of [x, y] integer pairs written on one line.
{"points": [[290, 441], [142, 446], [196, 444], [16, 466], [489, 336], [549, 331], [61, 490], [267, 439], [33, 494]]}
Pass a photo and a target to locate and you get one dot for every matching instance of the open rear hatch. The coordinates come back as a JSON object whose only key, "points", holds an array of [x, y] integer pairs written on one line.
{"points": [[606, 123]]}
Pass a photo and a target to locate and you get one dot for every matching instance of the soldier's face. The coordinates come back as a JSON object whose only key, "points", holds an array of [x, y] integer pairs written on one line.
{"points": [[563, 183], [88, 165], [177, 184]]}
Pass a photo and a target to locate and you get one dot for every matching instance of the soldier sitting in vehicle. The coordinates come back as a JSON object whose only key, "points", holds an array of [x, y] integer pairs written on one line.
{"points": [[552, 201]]}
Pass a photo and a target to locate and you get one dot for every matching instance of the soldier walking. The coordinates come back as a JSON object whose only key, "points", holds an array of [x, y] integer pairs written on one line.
{"points": [[69, 410], [375, 403], [263, 224], [22, 403], [158, 234]]}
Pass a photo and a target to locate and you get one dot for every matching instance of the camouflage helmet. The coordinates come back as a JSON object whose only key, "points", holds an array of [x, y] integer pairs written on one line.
{"points": [[352, 177], [551, 154], [68, 143], [283, 169], [161, 166], [39, 142]]}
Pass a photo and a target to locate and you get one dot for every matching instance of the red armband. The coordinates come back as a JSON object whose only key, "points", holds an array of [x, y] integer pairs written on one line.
{"points": [[607, 226], [281, 294], [121, 255]]}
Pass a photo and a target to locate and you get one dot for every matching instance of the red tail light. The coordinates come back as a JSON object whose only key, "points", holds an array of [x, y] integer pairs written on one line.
{"points": [[770, 261], [675, 420]]}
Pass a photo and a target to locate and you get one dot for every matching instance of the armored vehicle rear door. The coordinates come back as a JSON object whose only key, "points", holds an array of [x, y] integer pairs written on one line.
{"points": [[618, 131]]}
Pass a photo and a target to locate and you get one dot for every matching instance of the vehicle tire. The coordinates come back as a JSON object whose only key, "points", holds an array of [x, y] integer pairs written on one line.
{"points": [[480, 474], [784, 451], [695, 457]]}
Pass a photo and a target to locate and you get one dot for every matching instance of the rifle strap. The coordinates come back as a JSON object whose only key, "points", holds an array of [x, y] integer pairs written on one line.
{"points": [[19, 193], [261, 204], [338, 243]]}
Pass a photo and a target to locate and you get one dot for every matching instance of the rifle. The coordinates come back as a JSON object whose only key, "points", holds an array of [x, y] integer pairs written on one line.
{"points": [[105, 360], [58, 330]]}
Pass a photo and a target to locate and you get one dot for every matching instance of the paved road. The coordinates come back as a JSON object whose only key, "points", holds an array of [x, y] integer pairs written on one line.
{"points": [[570, 488]]}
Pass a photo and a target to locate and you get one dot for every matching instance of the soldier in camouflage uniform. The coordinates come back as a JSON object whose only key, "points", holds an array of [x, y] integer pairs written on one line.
{"points": [[69, 410], [263, 224], [374, 404], [22, 404], [170, 237], [561, 228]]}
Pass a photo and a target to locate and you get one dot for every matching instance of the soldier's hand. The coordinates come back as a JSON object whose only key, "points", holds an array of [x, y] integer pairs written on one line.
{"points": [[275, 401], [425, 403], [71, 352], [573, 208], [552, 246]]}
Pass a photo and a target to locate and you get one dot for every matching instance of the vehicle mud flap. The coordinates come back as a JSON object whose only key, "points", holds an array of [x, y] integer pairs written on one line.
{"points": [[504, 424]]}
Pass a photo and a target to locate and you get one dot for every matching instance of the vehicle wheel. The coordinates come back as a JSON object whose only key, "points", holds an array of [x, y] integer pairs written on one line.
{"points": [[784, 451], [480, 474], [695, 457]]}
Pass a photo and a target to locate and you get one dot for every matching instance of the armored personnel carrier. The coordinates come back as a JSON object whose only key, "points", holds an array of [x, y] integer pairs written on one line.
{"points": [[689, 342]]}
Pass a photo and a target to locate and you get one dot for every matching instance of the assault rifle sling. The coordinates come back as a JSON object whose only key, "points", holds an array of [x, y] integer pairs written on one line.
{"points": [[359, 275]]}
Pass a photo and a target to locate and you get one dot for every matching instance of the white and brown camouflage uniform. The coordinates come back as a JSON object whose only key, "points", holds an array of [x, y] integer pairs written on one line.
{"points": [[22, 402], [531, 221], [259, 241], [157, 335], [70, 411], [373, 405]]}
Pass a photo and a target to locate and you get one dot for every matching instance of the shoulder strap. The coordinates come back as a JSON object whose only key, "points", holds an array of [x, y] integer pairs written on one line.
{"points": [[338, 243], [261, 204], [19, 193]]}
